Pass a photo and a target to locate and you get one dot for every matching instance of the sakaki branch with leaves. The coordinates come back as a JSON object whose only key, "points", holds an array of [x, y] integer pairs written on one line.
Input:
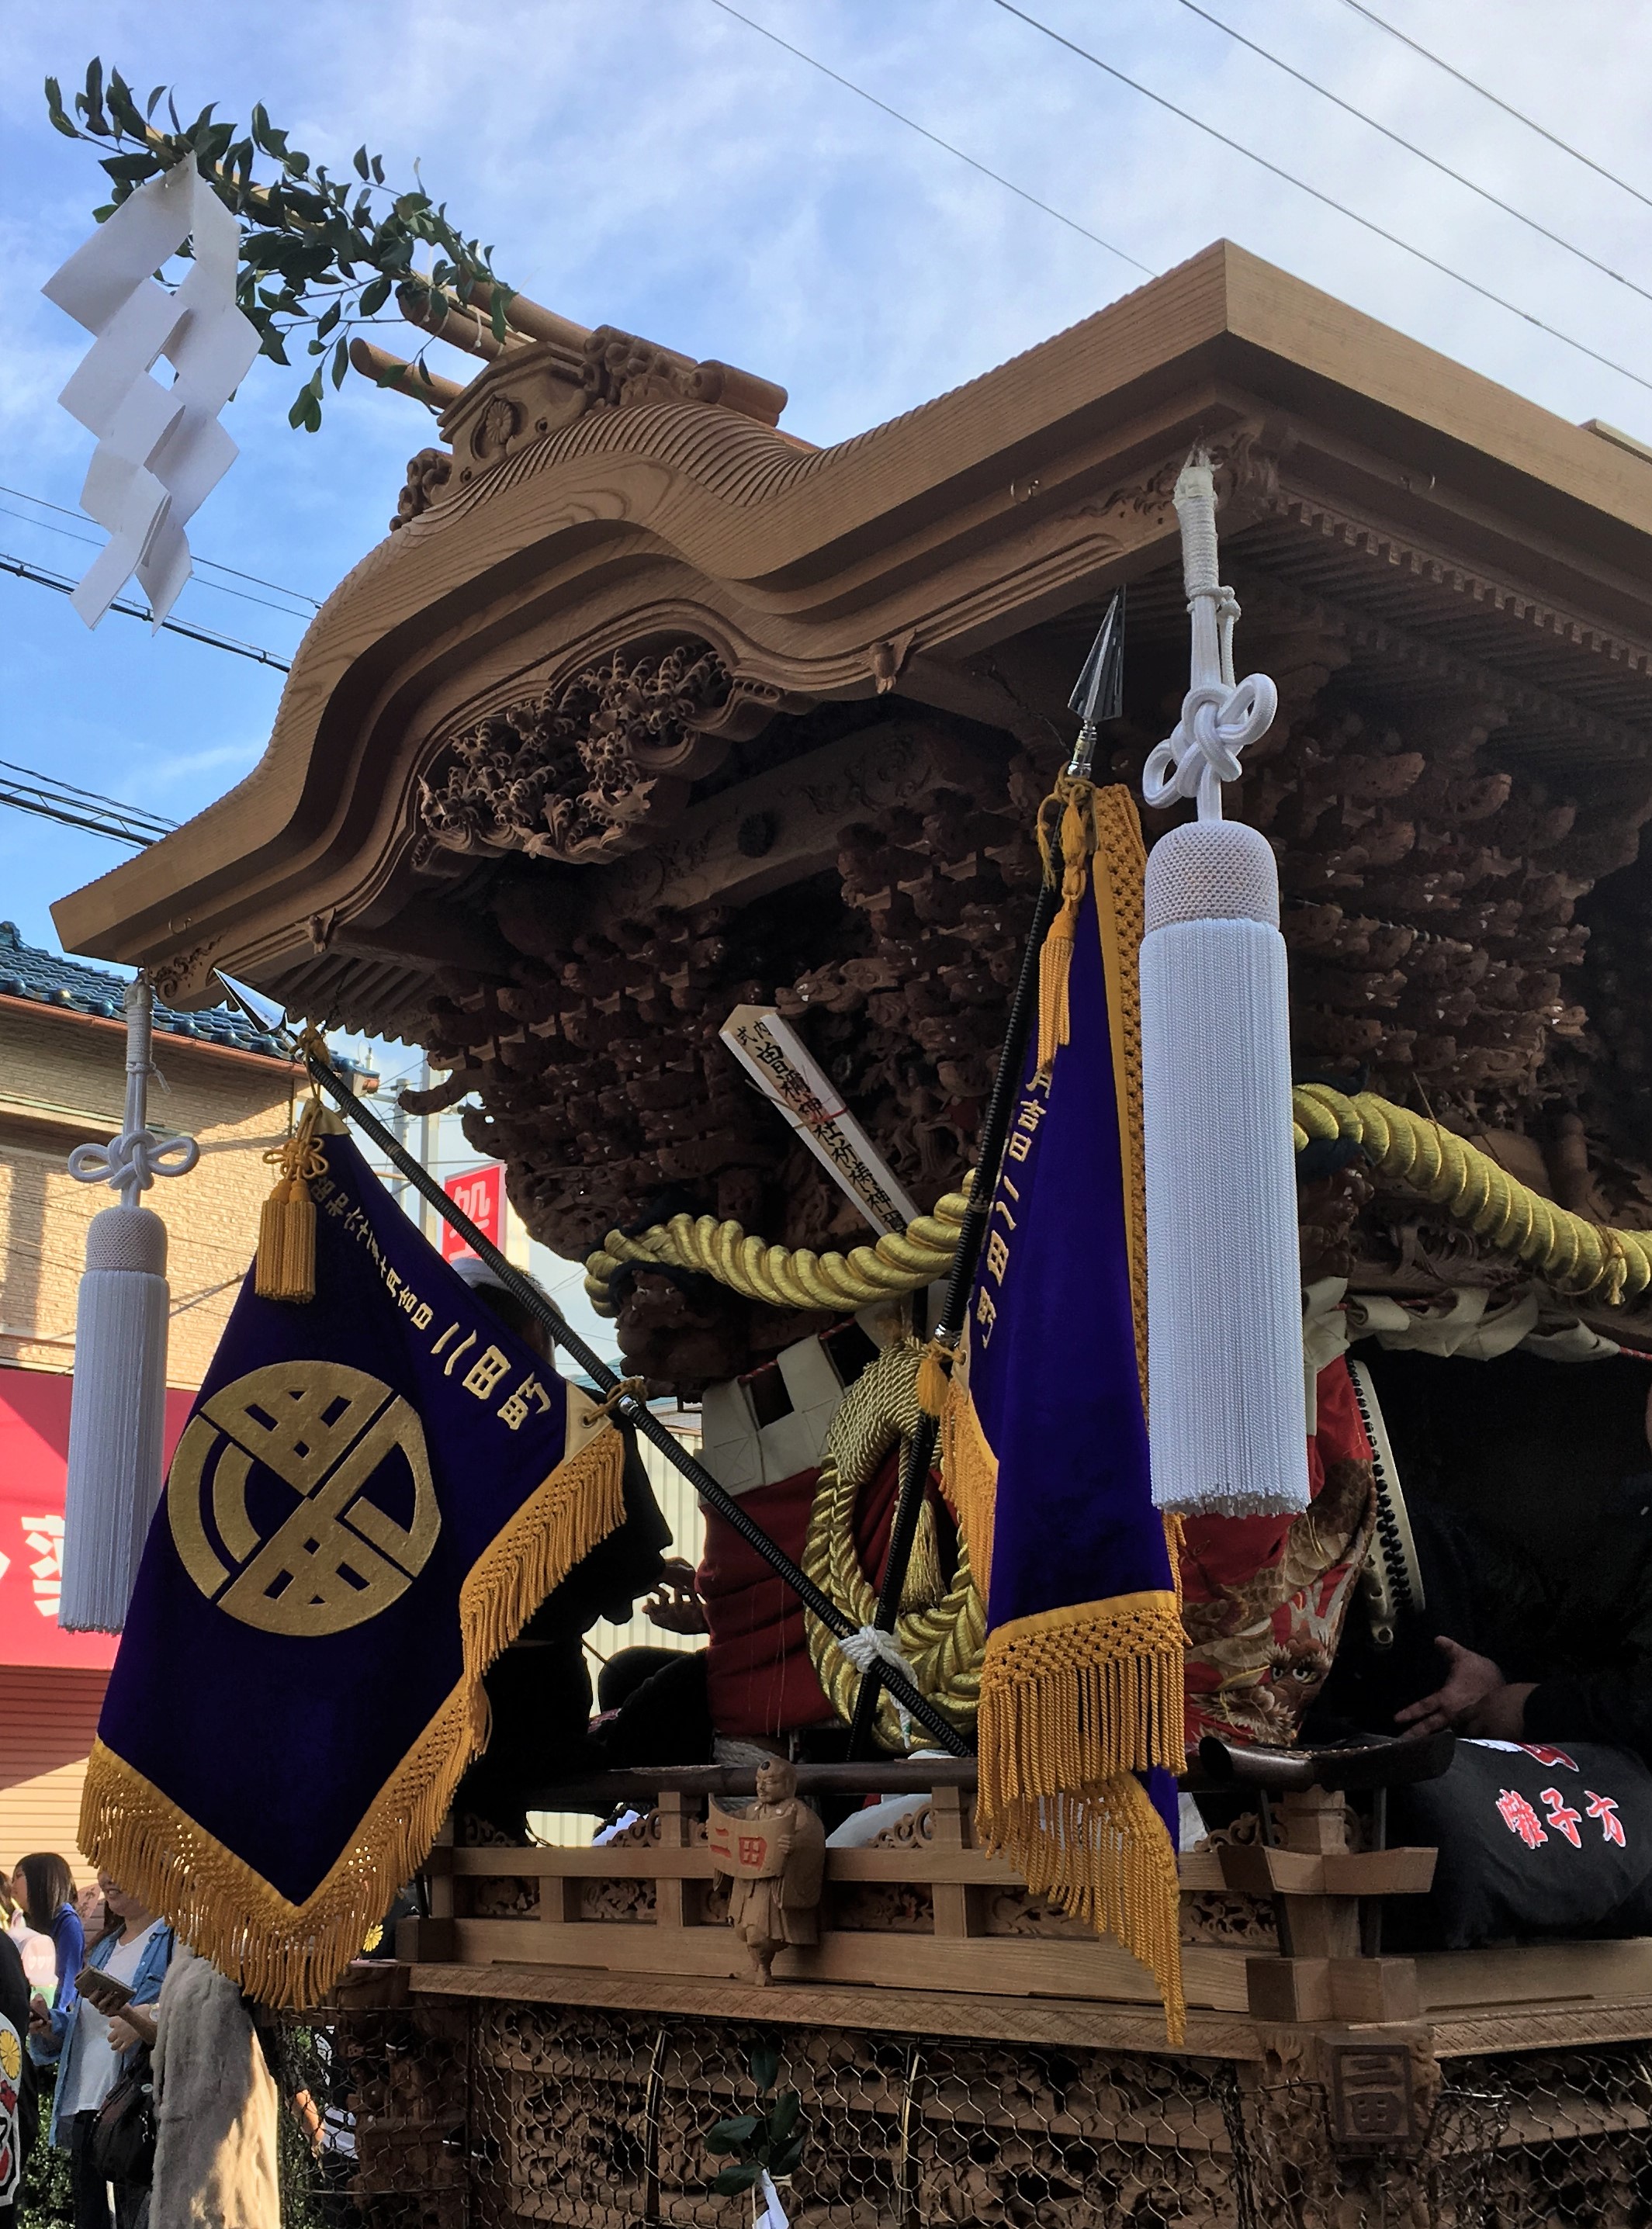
{"points": [[321, 252], [768, 2141]]}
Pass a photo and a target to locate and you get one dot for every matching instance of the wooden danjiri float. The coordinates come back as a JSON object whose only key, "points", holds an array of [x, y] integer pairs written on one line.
{"points": [[650, 727]]}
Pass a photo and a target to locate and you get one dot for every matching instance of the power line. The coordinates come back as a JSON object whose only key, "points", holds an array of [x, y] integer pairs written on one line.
{"points": [[1412, 148], [67, 587], [45, 526], [935, 139], [299, 596], [1329, 201], [26, 791], [1496, 100]]}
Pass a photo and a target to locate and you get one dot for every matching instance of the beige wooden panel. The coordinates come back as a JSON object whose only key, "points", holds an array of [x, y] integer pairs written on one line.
{"points": [[47, 1719]]}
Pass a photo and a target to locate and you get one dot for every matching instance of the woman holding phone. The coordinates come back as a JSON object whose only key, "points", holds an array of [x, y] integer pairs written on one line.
{"points": [[126, 1967]]}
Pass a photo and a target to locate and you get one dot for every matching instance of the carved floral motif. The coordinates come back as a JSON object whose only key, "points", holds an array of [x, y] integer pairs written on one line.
{"points": [[573, 775], [429, 472]]}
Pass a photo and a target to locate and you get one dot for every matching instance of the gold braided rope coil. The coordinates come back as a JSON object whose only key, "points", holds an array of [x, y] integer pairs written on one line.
{"points": [[944, 1645], [783, 1276], [1578, 1257]]}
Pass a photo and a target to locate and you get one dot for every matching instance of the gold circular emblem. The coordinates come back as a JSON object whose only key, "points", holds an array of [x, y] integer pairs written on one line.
{"points": [[300, 1498], [11, 2053]]}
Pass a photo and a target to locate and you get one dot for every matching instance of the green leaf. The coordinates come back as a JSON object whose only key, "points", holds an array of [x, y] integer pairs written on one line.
{"points": [[786, 2161], [495, 312], [729, 2179], [124, 109], [149, 105], [296, 165], [340, 362], [300, 412], [54, 110], [375, 295], [102, 216], [131, 170], [94, 115], [378, 170], [328, 320], [360, 160], [730, 2136], [268, 140], [765, 2066], [783, 2116]]}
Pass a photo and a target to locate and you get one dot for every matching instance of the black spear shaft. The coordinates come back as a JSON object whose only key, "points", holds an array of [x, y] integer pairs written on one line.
{"points": [[1097, 697], [634, 1412]]}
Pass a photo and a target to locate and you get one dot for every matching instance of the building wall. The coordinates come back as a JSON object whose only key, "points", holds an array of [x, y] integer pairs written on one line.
{"points": [[48, 1718], [63, 1079]]}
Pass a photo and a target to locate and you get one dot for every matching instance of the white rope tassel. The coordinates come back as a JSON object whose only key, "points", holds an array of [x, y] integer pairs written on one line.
{"points": [[868, 1645], [1225, 1338], [117, 1417]]}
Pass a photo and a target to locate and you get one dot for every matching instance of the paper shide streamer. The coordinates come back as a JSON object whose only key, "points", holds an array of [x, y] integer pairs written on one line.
{"points": [[161, 450]]}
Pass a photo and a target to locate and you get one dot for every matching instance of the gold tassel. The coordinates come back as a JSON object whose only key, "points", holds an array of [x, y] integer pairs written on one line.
{"points": [[935, 1375], [1067, 835], [923, 1585], [287, 1226], [1073, 1705], [969, 1481]]}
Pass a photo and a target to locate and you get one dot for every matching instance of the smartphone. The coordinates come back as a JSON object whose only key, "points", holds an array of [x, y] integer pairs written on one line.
{"points": [[102, 1989]]}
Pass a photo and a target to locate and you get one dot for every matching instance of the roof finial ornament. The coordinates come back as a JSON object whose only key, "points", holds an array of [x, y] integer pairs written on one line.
{"points": [[1220, 717]]}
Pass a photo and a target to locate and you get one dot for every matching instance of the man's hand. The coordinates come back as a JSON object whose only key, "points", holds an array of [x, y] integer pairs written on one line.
{"points": [[1468, 1681], [40, 2016], [1501, 1715]]}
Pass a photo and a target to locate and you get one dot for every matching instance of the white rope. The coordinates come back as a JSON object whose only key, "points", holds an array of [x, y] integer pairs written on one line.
{"points": [[870, 1645], [1220, 717], [130, 1163]]}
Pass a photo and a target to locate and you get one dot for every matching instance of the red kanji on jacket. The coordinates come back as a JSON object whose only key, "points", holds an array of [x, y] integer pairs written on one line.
{"points": [[1605, 1807], [1560, 1815], [1519, 1817]]}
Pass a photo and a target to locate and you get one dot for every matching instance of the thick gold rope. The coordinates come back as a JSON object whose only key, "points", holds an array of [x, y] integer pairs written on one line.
{"points": [[944, 1642], [1578, 1257], [1584, 1259], [783, 1276]]}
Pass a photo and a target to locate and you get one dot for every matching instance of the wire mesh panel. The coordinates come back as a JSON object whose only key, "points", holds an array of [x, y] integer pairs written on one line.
{"points": [[491, 2115]]}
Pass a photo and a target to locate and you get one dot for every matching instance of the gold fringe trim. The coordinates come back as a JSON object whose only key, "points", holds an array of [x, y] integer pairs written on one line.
{"points": [[1072, 1707], [1102, 1853], [286, 1266], [1119, 867], [287, 1954], [969, 1478]]}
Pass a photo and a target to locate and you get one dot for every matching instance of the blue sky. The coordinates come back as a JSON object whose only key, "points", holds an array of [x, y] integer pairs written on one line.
{"points": [[658, 165]]}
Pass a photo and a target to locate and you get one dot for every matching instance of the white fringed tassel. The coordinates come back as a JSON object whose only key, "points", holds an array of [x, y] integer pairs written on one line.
{"points": [[118, 1419], [1224, 1334], [116, 1415]]}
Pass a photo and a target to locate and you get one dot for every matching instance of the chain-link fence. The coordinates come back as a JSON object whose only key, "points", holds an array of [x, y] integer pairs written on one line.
{"points": [[485, 2116]]}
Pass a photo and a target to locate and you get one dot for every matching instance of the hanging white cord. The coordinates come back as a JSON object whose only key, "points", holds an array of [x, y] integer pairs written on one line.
{"points": [[130, 1163], [1220, 717]]}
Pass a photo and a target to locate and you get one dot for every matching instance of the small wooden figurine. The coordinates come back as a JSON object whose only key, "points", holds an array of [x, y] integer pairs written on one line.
{"points": [[774, 1856]]}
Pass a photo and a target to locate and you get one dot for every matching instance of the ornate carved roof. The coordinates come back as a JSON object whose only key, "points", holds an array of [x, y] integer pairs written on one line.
{"points": [[646, 710]]}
